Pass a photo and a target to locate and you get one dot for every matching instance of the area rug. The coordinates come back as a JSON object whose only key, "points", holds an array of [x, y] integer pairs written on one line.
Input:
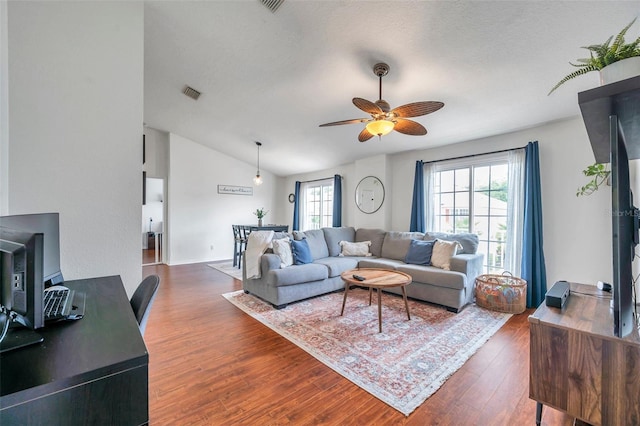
{"points": [[227, 268], [403, 365]]}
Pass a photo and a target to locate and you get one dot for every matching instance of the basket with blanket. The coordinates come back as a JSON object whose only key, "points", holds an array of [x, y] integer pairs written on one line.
{"points": [[502, 293]]}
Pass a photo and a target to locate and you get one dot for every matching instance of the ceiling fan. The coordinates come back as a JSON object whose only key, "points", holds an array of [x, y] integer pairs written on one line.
{"points": [[384, 119]]}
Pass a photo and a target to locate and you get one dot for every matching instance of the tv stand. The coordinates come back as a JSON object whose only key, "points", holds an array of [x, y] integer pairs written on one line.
{"points": [[578, 366]]}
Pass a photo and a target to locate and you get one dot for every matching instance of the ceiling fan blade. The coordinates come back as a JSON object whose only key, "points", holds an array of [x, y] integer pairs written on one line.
{"points": [[364, 135], [366, 106], [417, 109], [409, 127], [337, 123]]}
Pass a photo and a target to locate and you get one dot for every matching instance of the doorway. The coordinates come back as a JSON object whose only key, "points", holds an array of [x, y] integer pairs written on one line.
{"points": [[153, 222]]}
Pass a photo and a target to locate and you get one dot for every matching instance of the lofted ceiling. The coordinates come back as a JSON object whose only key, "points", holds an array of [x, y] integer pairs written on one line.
{"points": [[275, 77]]}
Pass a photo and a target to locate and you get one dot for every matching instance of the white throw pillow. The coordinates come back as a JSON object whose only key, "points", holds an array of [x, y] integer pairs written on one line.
{"points": [[282, 248], [443, 251], [355, 249]]}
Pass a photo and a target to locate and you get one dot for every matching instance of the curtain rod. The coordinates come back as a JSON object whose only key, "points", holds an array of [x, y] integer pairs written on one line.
{"points": [[317, 180], [474, 155]]}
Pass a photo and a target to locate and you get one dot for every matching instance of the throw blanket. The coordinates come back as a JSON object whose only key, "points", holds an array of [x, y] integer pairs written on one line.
{"points": [[257, 244]]}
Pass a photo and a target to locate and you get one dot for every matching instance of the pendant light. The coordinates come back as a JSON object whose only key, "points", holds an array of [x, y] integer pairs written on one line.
{"points": [[258, 179]]}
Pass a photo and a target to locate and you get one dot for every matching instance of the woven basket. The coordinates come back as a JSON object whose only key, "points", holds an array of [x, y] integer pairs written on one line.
{"points": [[502, 293]]}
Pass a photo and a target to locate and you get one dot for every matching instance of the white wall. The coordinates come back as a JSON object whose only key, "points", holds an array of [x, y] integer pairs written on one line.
{"points": [[4, 110], [372, 166], [157, 151], [198, 217], [348, 173], [75, 129], [352, 174]]}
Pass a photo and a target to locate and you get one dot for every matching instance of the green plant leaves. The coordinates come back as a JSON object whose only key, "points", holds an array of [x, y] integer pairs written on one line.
{"points": [[599, 174], [604, 54]]}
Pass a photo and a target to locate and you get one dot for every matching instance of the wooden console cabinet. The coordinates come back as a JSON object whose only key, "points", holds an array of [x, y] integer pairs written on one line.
{"points": [[578, 366]]}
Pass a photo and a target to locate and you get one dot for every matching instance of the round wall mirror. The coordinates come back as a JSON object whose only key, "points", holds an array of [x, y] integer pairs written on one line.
{"points": [[369, 194]]}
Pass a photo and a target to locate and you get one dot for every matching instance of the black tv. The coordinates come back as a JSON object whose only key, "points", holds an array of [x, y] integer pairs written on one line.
{"points": [[49, 225], [625, 233], [21, 283]]}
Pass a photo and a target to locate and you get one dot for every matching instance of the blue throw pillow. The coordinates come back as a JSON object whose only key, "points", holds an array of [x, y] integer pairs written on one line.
{"points": [[301, 252], [419, 252]]}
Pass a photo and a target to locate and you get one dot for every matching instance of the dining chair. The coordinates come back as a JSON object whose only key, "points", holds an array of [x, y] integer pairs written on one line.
{"points": [[239, 244]]}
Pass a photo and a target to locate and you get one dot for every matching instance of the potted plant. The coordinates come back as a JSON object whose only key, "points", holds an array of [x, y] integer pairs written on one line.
{"points": [[260, 213], [599, 176], [605, 54]]}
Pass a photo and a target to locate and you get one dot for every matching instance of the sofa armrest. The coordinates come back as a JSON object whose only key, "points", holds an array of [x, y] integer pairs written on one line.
{"points": [[468, 264], [268, 262]]}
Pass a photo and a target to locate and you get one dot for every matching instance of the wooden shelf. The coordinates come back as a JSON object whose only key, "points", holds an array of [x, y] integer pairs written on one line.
{"points": [[622, 99]]}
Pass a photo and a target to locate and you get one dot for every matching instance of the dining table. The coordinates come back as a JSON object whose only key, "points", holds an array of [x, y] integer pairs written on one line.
{"points": [[275, 228]]}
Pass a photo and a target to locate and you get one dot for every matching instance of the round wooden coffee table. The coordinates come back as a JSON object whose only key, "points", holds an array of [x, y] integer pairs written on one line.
{"points": [[379, 279]]}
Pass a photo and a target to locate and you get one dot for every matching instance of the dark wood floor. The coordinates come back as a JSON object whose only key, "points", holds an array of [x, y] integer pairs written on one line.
{"points": [[148, 256], [211, 364]]}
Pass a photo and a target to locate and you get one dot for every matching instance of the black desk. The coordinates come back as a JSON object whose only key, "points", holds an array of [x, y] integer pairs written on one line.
{"points": [[90, 371]]}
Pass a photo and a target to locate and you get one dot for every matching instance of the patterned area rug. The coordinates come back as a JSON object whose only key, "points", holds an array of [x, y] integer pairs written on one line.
{"points": [[403, 365], [228, 268]]}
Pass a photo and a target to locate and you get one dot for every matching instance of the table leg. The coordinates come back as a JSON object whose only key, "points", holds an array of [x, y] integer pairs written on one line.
{"points": [[406, 304], [538, 413], [370, 290], [379, 311], [344, 301]]}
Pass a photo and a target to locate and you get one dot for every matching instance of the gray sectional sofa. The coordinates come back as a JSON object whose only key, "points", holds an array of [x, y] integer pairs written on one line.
{"points": [[451, 288]]}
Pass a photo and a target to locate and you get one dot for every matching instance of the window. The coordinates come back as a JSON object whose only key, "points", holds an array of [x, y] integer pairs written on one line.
{"points": [[317, 204], [473, 198]]}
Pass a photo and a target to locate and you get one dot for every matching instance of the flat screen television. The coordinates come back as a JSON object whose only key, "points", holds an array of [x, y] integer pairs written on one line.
{"points": [[21, 283], [49, 225], [625, 234]]}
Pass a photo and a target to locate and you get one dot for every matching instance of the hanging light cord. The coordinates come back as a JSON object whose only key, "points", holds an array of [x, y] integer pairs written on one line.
{"points": [[259, 144]]}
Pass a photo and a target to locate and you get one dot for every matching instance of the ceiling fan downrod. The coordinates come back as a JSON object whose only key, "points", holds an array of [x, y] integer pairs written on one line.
{"points": [[380, 69]]}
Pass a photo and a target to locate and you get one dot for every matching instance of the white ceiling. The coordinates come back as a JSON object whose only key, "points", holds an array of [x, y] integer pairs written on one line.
{"points": [[274, 77]]}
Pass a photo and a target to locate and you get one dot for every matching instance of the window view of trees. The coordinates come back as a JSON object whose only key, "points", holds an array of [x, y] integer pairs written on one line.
{"points": [[474, 199], [318, 205]]}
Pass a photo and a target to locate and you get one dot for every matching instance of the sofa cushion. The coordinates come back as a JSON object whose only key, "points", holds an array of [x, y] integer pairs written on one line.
{"points": [[301, 252], [337, 265], [469, 242], [443, 251], [419, 252], [434, 276], [379, 262], [396, 244], [355, 249], [333, 236], [316, 241], [282, 248], [297, 274], [376, 236]]}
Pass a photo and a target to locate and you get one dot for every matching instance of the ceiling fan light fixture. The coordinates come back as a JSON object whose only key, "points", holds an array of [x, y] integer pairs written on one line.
{"points": [[380, 127], [384, 119]]}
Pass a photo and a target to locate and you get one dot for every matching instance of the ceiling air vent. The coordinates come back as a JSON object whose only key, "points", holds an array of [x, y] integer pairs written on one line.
{"points": [[191, 92], [272, 5]]}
